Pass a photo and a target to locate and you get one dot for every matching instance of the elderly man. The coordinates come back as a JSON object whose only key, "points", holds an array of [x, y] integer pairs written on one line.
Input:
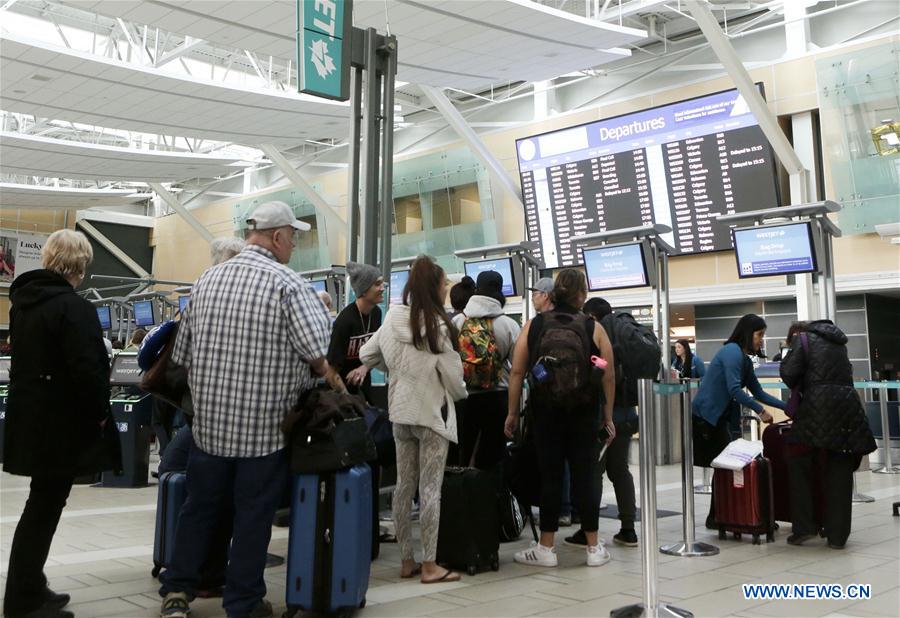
{"points": [[251, 339]]}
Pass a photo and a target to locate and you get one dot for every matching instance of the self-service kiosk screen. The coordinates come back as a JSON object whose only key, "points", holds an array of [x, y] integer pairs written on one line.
{"points": [[182, 302], [500, 265], [680, 165], [125, 369], [318, 285], [774, 250], [615, 267], [398, 282], [143, 313], [105, 318]]}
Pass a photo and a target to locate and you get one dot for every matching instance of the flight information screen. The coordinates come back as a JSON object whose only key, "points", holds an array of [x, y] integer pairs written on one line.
{"points": [[679, 165]]}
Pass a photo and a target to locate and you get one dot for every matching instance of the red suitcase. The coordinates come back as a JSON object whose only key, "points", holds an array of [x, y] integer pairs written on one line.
{"points": [[778, 449], [743, 501]]}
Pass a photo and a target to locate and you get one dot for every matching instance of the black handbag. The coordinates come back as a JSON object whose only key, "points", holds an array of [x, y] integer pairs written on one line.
{"points": [[346, 445]]}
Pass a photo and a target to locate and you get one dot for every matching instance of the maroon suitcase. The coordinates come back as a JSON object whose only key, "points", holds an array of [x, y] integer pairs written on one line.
{"points": [[778, 449], [743, 501]]}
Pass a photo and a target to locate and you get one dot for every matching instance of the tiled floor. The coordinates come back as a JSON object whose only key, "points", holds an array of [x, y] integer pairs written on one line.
{"points": [[102, 552]]}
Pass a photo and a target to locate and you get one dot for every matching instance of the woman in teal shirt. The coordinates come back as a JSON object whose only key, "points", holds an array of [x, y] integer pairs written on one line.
{"points": [[722, 394]]}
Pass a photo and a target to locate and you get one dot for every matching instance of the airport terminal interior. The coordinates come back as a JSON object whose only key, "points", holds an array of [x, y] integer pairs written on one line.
{"points": [[697, 160]]}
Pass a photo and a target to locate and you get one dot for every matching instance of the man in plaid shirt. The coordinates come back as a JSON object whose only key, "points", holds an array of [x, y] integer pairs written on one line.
{"points": [[252, 339]]}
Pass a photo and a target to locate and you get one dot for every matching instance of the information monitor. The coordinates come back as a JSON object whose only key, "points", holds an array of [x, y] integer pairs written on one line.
{"points": [[786, 249], [143, 313], [679, 165], [501, 265], [103, 314], [398, 282], [319, 285], [615, 267], [182, 302]]}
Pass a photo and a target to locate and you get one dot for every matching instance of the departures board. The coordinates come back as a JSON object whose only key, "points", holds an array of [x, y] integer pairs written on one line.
{"points": [[679, 165]]}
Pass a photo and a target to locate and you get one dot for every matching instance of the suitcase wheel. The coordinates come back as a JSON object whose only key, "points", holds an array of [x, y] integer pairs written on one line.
{"points": [[362, 603], [770, 537], [472, 569], [822, 532], [495, 565], [722, 534], [756, 540], [737, 536], [290, 612], [156, 570]]}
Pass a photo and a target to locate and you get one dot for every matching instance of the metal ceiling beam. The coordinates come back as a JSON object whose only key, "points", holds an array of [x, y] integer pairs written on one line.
{"points": [[301, 183], [110, 246], [745, 85], [176, 205], [459, 124], [175, 54]]}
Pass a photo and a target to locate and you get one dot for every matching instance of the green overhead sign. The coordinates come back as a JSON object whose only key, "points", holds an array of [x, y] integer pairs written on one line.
{"points": [[323, 47]]}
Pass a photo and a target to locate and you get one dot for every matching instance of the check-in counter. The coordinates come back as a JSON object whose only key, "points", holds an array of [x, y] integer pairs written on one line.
{"points": [[131, 411]]}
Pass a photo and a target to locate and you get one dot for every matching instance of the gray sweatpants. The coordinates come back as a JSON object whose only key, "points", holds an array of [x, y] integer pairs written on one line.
{"points": [[421, 457]]}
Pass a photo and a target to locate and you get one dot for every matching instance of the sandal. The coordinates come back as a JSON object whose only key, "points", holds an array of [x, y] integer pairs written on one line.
{"points": [[416, 570], [448, 576]]}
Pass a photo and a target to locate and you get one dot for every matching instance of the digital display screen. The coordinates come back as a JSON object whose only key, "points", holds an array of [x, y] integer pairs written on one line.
{"points": [[500, 265], [143, 313], [182, 302], [616, 267], [398, 282], [318, 285], [680, 165], [105, 318], [774, 250]]}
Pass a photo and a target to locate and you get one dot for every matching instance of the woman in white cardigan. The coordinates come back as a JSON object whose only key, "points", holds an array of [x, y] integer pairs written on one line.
{"points": [[417, 345]]}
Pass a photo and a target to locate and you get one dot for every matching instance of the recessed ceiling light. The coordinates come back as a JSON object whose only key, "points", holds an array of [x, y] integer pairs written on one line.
{"points": [[681, 319], [19, 91], [40, 78]]}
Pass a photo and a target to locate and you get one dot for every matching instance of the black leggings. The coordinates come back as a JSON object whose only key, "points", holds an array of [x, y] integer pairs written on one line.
{"points": [[26, 585], [480, 420], [560, 436]]}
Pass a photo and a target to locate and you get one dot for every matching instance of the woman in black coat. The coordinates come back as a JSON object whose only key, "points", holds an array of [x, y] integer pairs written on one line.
{"points": [[830, 418], [58, 401]]}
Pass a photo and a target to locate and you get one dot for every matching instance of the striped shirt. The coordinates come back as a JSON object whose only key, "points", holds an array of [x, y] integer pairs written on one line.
{"points": [[246, 339]]}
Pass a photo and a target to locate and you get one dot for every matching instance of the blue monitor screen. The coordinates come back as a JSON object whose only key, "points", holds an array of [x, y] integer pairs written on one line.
{"points": [[616, 267], [774, 250], [318, 285], [143, 313], [500, 265], [182, 303], [398, 282], [105, 318]]}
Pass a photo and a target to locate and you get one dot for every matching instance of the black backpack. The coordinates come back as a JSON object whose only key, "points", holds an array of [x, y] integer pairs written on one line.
{"points": [[635, 347], [564, 350]]}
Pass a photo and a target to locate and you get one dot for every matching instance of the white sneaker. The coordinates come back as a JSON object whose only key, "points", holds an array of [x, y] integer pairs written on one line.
{"points": [[537, 555], [597, 555]]}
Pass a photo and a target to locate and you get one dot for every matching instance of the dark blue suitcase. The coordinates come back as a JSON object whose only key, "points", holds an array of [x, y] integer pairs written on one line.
{"points": [[330, 546], [171, 496]]}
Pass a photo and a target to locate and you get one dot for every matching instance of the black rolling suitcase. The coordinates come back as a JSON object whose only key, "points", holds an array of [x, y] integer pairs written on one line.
{"points": [[469, 531]]}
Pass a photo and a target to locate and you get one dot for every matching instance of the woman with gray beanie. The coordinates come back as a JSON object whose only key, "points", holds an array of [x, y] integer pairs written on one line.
{"points": [[355, 325]]}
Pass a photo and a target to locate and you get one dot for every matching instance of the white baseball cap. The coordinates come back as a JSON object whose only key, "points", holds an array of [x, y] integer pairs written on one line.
{"points": [[275, 214]]}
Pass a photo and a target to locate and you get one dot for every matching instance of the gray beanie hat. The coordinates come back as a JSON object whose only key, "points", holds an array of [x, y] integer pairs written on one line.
{"points": [[362, 276]]}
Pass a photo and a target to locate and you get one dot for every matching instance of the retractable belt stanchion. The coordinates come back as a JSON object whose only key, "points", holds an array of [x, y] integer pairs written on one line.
{"points": [[705, 487], [651, 605], [688, 546], [887, 461]]}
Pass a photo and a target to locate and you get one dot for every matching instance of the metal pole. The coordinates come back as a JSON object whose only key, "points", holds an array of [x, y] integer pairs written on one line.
{"points": [[356, 78], [689, 545], [651, 605], [371, 112], [706, 486], [387, 159], [858, 497], [831, 294], [887, 461]]}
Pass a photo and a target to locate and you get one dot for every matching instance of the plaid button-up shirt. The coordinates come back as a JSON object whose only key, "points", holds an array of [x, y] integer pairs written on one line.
{"points": [[246, 338]]}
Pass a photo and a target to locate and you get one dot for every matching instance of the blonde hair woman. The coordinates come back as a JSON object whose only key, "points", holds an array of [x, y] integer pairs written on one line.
{"points": [[58, 400]]}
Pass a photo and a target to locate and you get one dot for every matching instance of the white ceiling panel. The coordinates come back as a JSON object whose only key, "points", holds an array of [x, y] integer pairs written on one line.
{"points": [[107, 94], [53, 158], [29, 197], [467, 44]]}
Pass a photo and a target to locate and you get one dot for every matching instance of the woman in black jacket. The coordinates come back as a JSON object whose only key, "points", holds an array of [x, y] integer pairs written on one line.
{"points": [[58, 401], [830, 418]]}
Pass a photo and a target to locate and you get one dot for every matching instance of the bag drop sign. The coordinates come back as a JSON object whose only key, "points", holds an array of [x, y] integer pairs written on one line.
{"points": [[323, 47]]}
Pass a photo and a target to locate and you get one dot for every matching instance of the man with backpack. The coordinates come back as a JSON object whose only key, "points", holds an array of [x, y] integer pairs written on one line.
{"points": [[637, 355], [487, 337]]}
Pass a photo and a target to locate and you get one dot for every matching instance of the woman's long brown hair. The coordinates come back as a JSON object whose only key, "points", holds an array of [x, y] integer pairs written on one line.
{"points": [[422, 295]]}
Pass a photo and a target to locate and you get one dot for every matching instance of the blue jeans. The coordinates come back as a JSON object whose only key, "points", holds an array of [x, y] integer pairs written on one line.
{"points": [[254, 486]]}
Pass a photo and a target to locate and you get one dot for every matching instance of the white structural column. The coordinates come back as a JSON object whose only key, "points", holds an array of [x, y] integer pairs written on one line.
{"points": [[796, 28], [110, 246], [741, 78], [292, 174], [805, 146], [178, 207], [462, 128]]}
